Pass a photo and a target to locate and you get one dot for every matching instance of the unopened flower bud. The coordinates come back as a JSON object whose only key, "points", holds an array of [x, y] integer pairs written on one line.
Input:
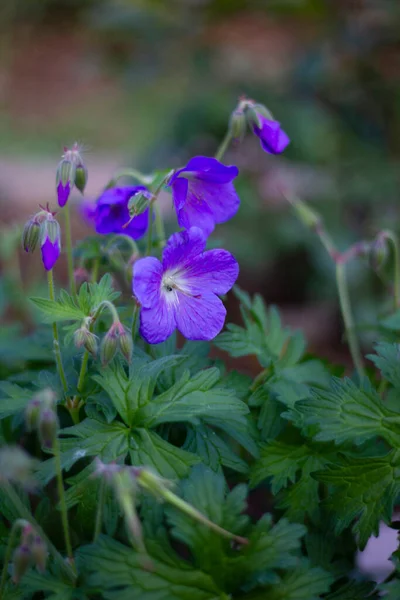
{"points": [[237, 125], [81, 177], [378, 253], [48, 427], [139, 202], [50, 241], [109, 346], [30, 235], [39, 553], [65, 178], [22, 560], [81, 275], [32, 411], [86, 339], [126, 345]]}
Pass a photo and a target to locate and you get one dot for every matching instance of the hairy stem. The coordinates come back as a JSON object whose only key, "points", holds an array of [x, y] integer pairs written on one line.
{"points": [[150, 230], [99, 513], [95, 270], [63, 504], [344, 299], [224, 145], [392, 237], [24, 513], [7, 557], [70, 260], [56, 341], [135, 315]]}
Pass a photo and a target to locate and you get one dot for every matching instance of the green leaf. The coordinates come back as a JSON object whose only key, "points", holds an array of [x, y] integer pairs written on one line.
{"points": [[364, 489], [191, 398], [149, 449], [358, 590], [387, 360], [212, 449], [64, 309], [118, 572], [263, 335], [348, 413], [56, 587], [391, 590], [129, 393], [13, 399], [281, 461], [392, 322], [302, 583]]}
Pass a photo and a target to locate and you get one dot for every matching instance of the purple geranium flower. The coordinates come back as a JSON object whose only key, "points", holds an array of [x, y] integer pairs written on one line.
{"points": [[204, 194], [273, 139], [182, 291], [110, 212]]}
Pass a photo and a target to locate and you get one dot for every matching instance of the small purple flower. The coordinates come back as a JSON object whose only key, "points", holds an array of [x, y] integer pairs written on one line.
{"points": [[181, 292], [273, 139], [110, 212], [204, 194]]}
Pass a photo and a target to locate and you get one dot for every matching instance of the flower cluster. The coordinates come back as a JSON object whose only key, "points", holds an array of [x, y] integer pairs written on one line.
{"points": [[180, 291]]}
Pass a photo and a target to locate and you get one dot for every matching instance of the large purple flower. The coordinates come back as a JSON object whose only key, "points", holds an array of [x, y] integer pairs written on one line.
{"points": [[110, 212], [273, 139], [182, 291], [204, 194]]}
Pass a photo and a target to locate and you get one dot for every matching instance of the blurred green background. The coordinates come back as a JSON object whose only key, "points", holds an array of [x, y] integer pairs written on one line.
{"points": [[151, 83]]}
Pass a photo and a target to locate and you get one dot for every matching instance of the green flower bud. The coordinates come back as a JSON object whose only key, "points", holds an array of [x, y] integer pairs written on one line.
{"points": [[109, 346], [237, 125], [81, 177], [22, 560], [86, 339], [32, 411], [126, 345], [30, 235], [139, 202], [17, 466], [48, 427]]}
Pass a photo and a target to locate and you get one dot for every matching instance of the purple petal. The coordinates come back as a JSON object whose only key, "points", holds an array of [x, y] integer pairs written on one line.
{"points": [[179, 192], [273, 139], [196, 213], [146, 283], [214, 271], [157, 323], [63, 192], [200, 317], [138, 226], [207, 169], [221, 200], [183, 247], [50, 253]]}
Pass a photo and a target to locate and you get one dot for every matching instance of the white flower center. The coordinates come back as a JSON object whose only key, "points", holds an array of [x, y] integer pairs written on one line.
{"points": [[173, 282]]}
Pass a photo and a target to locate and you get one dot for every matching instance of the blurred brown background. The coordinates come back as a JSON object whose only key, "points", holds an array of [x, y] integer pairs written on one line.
{"points": [[150, 83]]}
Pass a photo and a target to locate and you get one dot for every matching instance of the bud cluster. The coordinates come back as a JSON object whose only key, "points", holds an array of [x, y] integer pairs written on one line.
{"points": [[84, 338], [31, 550], [71, 171], [116, 338], [41, 415], [17, 466], [45, 229]]}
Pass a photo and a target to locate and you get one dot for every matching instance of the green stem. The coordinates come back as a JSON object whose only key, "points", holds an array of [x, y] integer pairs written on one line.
{"points": [[56, 341], [7, 557], [70, 260], [224, 145], [159, 227], [61, 496], [99, 513], [150, 230], [198, 516], [24, 513], [82, 373], [348, 318], [392, 237], [143, 179], [135, 315]]}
